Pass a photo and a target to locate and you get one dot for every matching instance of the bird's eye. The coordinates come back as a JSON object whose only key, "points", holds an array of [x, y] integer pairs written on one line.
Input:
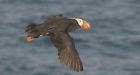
{"points": [[80, 20]]}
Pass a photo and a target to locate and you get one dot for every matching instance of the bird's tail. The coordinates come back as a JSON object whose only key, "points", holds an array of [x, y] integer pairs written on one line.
{"points": [[33, 32]]}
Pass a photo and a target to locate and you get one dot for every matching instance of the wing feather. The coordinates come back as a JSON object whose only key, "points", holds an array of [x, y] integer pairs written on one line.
{"points": [[66, 51]]}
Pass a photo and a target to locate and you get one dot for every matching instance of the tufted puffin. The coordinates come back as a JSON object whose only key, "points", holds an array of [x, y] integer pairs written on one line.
{"points": [[57, 29]]}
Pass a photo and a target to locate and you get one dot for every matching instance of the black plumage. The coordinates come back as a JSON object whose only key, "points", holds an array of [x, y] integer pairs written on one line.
{"points": [[57, 28]]}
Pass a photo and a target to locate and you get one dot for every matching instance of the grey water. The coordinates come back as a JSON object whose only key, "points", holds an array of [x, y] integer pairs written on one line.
{"points": [[110, 47]]}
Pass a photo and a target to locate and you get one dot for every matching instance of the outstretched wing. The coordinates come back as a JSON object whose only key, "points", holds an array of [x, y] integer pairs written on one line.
{"points": [[66, 51]]}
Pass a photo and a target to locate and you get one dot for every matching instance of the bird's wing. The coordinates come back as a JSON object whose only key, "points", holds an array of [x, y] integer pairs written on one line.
{"points": [[66, 51]]}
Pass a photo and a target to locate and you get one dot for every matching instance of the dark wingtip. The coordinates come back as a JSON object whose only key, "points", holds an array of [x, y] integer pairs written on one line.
{"points": [[74, 63], [79, 69]]}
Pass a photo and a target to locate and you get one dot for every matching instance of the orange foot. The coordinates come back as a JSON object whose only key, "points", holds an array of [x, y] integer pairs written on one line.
{"points": [[29, 38]]}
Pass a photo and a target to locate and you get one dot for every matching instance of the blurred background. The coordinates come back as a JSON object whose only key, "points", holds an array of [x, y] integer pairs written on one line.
{"points": [[111, 47]]}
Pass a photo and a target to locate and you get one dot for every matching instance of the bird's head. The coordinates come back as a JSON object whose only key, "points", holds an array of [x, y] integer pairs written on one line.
{"points": [[83, 24]]}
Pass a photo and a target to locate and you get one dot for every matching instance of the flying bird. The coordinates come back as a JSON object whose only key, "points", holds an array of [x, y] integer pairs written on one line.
{"points": [[57, 29]]}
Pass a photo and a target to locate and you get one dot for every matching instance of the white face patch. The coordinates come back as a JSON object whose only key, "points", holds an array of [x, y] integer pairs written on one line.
{"points": [[79, 21]]}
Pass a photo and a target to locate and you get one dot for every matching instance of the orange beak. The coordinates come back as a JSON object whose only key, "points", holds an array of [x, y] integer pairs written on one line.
{"points": [[29, 38], [86, 25]]}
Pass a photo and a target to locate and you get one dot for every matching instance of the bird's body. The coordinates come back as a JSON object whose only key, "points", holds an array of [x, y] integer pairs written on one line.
{"points": [[57, 28]]}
